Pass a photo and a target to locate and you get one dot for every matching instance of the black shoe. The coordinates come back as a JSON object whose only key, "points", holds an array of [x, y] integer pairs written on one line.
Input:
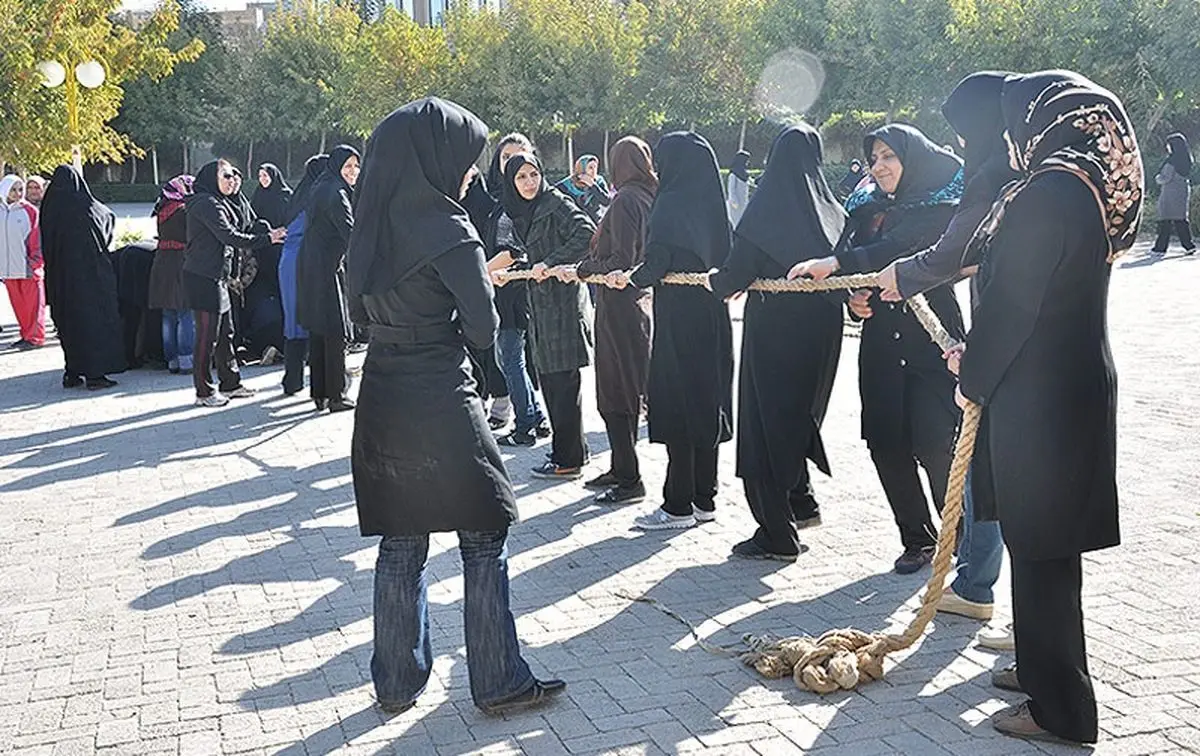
{"points": [[99, 384], [1006, 679], [551, 471], [541, 692], [751, 550], [622, 495], [516, 439], [913, 560], [19, 344], [394, 709], [72, 381], [341, 405], [543, 430], [1191, 251], [26, 346], [607, 480], [321, 404]]}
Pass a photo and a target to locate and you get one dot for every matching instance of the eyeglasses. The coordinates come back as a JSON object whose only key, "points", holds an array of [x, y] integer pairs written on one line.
{"points": [[228, 175]]}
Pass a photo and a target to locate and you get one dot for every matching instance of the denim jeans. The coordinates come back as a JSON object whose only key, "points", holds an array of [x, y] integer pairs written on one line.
{"points": [[510, 354], [179, 336], [403, 655], [980, 552]]}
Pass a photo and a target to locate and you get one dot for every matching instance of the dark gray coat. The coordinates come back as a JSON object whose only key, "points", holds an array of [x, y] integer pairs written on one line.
{"points": [[561, 327]]}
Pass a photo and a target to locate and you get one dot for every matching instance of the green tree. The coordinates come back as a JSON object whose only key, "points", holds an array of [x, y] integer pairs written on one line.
{"points": [[394, 61], [71, 32]]}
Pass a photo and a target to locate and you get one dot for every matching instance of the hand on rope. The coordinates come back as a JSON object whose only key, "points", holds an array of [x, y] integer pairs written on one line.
{"points": [[818, 269]]}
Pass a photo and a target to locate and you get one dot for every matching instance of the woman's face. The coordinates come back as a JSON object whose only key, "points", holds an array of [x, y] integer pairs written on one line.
{"points": [[35, 192], [592, 168], [227, 180], [528, 181], [264, 178], [16, 193], [507, 151], [886, 166], [350, 171]]}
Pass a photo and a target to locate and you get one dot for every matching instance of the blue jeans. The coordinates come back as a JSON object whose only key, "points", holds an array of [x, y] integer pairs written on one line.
{"points": [[510, 355], [179, 338], [403, 655], [980, 552]]}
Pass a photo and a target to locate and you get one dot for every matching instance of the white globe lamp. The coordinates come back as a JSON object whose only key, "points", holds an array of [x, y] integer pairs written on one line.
{"points": [[90, 74], [53, 73]]}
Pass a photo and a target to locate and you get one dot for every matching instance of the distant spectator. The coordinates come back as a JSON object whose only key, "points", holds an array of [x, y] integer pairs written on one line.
{"points": [[854, 176], [21, 263], [587, 187], [1175, 195], [166, 275], [737, 186], [35, 189]]}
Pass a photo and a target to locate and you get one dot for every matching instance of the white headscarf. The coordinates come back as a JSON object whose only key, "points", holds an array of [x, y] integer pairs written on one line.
{"points": [[6, 186]]}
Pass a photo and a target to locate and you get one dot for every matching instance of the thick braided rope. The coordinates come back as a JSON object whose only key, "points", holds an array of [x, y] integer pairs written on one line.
{"points": [[842, 659]]}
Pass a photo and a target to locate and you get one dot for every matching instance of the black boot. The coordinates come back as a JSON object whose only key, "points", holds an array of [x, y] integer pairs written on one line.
{"points": [[295, 353]]}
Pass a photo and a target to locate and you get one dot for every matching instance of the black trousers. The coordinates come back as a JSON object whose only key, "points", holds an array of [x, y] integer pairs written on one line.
{"points": [[1051, 658], [295, 353], [622, 440], [214, 346], [773, 513], [564, 402], [928, 438], [691, 479], [801, 498], [327, 366], [1181, 229]]}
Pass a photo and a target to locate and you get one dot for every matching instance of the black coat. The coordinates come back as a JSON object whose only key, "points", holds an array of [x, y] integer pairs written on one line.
{"points": [[81, 280], [895, 349], [321, 278], [690, 393], [213, 236], [790, 349], [424, 459], [622, 315], [1038, 360]]}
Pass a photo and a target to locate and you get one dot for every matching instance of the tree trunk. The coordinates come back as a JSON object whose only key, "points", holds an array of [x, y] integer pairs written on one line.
{"points": [[570, 150], [287, 158], [742, 137], [322, 148], [186, 167], [154, 164], [606, 137], [250, 158], [133, 171]]}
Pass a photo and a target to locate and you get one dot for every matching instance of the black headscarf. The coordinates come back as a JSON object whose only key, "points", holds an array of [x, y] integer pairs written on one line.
{"points": [[337, 158], [271, 203], [314, 167], [1181, 154], [689, 209], [973, 111], [406, 208], [519, 209], [928, 168], [1062, 121], [740, 165], [207, 181], [793, 216]]}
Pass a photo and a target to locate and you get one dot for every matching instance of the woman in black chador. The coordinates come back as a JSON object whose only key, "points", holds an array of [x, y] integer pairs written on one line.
{"points": [[689, 398], [791, 343], [908, 412], [320, 287], [423, 458], [1038, 361], [81, 282]]}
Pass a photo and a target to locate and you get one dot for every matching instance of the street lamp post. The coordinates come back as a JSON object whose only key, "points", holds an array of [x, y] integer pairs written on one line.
{"points": [[90, 75]]}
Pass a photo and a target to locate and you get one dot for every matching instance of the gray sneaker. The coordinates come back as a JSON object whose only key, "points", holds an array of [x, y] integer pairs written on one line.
{"points": [[216, 400], [660, 519]]}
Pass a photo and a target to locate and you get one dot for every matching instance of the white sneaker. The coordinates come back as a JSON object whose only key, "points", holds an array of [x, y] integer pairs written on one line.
{"points": [[216, 400], [241, 392], [704, 515], [661, 520], [997, 638]]}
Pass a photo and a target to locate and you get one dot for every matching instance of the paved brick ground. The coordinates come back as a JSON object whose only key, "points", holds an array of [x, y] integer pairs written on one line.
{"points": [[185, 581]]}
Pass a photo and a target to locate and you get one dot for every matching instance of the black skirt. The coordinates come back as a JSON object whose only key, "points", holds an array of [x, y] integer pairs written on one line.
{"points": [[202, 293]]}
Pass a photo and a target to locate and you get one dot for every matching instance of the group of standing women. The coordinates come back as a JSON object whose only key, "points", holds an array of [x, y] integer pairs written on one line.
{"points": [[227, 275]]}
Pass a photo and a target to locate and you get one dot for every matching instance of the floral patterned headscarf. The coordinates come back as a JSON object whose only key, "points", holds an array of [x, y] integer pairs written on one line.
{"points": [[1061, 121]]}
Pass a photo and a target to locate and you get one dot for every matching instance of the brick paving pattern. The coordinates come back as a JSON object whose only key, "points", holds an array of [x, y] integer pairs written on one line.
{"points": [[187, 581]]}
